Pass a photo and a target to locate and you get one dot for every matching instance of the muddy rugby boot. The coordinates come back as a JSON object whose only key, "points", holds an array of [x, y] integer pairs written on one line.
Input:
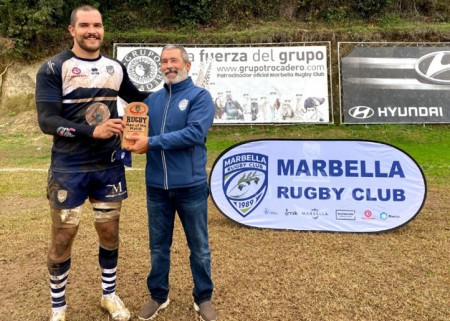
{"points": [[58, 315], [114, 305]]}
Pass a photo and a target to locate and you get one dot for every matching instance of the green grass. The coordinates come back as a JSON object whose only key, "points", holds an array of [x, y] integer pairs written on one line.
{"points": [[264, 30], [429, 145], [20, 150]]}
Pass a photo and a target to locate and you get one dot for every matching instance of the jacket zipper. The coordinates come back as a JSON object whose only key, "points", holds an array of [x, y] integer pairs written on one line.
{"points": [[163, 124]]}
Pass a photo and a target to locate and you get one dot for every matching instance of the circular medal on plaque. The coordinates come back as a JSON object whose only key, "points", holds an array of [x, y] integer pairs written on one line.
{"points": [[97, 114]]}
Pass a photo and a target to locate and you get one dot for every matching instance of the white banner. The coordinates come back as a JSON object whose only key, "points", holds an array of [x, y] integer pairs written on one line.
{"points": [[318, 185], [248, 84]]}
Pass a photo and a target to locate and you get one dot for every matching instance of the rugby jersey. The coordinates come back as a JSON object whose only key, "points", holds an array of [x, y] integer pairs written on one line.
{"points": [[66, 86]]}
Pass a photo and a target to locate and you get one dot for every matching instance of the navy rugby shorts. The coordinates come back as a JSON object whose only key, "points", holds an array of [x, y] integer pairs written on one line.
{"points": [[69, 190]]}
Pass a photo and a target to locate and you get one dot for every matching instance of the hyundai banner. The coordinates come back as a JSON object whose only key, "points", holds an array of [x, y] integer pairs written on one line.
{"points": [[396, 84], [257, 84], [318, 185]]}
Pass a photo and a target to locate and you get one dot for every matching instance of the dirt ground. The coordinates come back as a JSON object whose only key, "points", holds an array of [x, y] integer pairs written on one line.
{"points": [[259, 274]]}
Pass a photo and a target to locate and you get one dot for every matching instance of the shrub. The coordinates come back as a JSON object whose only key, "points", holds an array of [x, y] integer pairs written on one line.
{"points": [[368, 8]]}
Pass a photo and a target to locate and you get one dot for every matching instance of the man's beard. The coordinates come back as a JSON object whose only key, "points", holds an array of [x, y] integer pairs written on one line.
{"points": [[87, 47], [181, 75]]}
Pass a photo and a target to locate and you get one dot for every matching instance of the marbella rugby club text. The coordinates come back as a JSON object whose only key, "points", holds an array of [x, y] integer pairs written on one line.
{"points": [[332, 168]]}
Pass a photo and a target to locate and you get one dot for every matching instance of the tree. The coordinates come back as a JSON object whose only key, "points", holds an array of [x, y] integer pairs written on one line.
{"points": [[23, 21]]}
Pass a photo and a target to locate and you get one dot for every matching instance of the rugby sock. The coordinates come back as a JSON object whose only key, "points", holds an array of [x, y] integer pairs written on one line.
{"points": [[59, 274], [108, 264]]}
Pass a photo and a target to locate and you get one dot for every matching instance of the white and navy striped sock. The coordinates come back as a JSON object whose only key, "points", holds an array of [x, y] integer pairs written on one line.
{"points": [[108, 264], [109, 281], [59, 274]]}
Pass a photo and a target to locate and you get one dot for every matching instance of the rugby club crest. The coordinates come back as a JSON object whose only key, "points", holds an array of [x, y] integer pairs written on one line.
{"points": [[245, 178]]}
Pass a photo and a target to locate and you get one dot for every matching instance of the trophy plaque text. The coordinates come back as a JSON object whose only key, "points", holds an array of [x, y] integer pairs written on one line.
{"points": [[136, 122]]}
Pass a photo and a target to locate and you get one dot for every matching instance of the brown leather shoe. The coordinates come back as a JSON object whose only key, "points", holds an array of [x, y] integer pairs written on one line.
{"points": [[150, 310], [206, 311]]}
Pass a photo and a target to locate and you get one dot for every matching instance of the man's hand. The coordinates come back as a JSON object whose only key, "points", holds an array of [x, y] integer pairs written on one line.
{"points": [[112, 127], [140, 145]]}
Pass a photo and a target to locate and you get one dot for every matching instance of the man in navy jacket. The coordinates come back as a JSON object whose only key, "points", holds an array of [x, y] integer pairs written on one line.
{"points": [[180, 116]]}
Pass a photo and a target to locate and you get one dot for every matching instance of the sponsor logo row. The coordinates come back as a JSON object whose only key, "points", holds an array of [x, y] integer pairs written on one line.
{"points": [[340, 215]]}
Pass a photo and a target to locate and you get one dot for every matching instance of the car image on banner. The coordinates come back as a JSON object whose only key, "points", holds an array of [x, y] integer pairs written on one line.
{"points": [[396, 83], [318, 185]]}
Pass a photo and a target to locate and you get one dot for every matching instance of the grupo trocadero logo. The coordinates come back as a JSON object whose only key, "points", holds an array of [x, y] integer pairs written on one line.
{"points": [[245, 181], [143, 66], [434, 67]]}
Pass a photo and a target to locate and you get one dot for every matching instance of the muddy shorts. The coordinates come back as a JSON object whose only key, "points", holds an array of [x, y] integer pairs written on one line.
{"points": [[70, 190]]}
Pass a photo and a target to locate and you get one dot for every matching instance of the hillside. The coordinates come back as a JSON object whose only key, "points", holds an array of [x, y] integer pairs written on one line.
{"points": [[32, 30], [23, 46]]}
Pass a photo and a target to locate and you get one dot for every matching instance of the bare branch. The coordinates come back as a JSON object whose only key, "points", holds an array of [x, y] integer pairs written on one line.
{"points": [[6, 69]]}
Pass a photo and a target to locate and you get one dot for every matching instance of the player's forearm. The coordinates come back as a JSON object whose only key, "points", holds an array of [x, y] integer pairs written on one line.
{"points": [[52, 123]]}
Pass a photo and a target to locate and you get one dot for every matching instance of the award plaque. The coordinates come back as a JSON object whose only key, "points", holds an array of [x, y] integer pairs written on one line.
{"points": [[136, 122]]}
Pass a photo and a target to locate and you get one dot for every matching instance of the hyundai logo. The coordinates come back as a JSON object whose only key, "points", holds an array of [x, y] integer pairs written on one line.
{"points": [[361, 112], [434, 67]]}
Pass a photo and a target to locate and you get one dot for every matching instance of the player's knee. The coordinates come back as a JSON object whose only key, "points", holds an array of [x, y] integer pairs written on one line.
{"points": [[108, 234], [60, 247]]}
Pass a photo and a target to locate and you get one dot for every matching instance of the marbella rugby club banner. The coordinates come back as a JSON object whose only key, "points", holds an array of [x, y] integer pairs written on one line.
{"points": [[396, 83], [318, 185], [248, 84]]}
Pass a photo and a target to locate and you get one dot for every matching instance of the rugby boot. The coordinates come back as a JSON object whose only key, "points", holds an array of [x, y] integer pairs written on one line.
{"points": [[114, 305], [58, 315]]}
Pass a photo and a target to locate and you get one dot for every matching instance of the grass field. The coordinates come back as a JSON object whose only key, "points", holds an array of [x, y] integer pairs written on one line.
{"points": [[259, 274]]}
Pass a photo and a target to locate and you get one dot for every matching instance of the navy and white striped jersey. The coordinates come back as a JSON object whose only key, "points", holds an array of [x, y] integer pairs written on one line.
{"points": [[72, 96]]}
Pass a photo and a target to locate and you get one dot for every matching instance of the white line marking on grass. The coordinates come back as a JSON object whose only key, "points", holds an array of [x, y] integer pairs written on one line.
{"points": [[23, 169]]}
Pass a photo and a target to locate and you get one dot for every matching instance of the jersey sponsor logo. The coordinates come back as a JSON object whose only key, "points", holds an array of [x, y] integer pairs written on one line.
{"points": [[115, 190], [183, 104], [76, 72], [143, 66], [434, 67]]}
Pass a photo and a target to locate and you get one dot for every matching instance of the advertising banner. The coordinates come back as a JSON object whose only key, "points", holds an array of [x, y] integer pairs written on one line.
{"points": [[396, 83], [318, 185], [248, 84]]}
